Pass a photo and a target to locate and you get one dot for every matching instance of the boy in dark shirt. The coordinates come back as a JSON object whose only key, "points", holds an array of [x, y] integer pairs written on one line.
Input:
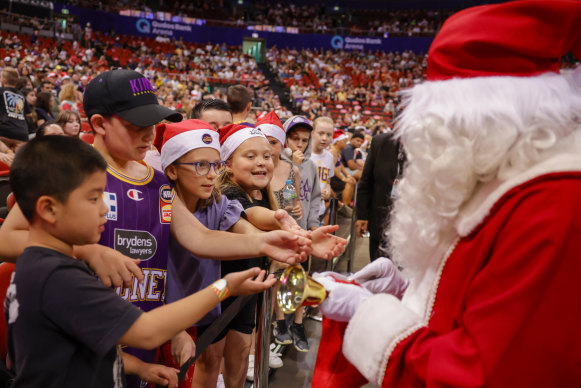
{"points": [[63, 324]]}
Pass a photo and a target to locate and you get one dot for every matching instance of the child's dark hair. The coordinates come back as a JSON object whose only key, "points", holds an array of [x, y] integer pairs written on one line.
{"points": [[54, 166], [43, 101], [238, 98], [211, 104]]}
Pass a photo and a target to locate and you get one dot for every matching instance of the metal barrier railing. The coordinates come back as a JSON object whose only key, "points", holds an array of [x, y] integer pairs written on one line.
{"points": [[262, 343], [352, 233]]}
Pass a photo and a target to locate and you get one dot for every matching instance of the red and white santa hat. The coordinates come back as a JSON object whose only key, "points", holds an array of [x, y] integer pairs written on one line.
{"points": [[339, 135], [233, 135], [498, 60], [173, 140], [270, 125]]}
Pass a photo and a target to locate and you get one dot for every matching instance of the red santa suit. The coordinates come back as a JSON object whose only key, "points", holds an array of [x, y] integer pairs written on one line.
{"points": [[500, 307], [498, 302]]}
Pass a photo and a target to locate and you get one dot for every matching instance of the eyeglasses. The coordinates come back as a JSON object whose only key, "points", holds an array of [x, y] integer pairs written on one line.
{"points": [[203, 167]]}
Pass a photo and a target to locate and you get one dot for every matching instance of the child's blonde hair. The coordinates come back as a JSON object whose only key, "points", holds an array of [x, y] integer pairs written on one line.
{"points": [[323, 119]]}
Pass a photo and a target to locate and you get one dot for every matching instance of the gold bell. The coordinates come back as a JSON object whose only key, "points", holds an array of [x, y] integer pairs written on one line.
{"points": [[298, 289]]}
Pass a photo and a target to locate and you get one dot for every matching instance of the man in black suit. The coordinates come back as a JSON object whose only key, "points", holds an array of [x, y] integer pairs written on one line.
{"points": [[374, 190]]}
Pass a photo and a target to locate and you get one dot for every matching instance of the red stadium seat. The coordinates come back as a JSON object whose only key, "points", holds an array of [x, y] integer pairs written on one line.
{"points": [[87, 137], [85, 127], [6, 270], [4, 169]]}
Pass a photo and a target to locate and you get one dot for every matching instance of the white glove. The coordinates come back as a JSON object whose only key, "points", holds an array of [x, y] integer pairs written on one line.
{"points": [[343, 299], [381, 276]]}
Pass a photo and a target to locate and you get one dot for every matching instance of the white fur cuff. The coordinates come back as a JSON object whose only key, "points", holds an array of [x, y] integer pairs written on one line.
{"points": [[379, 323]]}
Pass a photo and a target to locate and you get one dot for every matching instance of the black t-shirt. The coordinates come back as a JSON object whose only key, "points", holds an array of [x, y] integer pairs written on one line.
{"points": [[12, 120], [349, 153], [236, 193], [63, 324]]}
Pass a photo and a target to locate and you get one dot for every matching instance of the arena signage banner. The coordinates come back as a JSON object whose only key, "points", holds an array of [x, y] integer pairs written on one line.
{"points": [[130, 25], [355, 43]]}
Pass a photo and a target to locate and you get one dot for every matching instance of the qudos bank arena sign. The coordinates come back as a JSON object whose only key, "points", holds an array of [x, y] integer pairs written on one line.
{"points": [[355, 43], [156, 27]]}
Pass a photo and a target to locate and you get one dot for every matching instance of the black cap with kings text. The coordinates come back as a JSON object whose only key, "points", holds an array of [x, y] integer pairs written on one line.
{"points": [[127, 94]]}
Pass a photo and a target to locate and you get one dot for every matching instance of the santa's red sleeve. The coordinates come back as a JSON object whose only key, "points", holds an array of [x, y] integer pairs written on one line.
{"points": [[514, 323]]}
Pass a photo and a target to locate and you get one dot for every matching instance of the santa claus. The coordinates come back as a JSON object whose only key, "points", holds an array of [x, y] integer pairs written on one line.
{"points": [[487, 227]]}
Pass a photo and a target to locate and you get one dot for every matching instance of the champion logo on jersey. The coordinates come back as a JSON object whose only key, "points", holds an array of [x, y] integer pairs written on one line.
{"points": [[135, 194], [110, 200]]}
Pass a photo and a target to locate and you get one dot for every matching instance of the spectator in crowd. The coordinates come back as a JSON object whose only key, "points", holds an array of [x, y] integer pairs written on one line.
{"points": [[342, 183], [50, 128], [240, 101], [375, 191], [46, 86], [351, 156], [298, 138], [323, 128], [24, 82], [44, 104], [70, 121], [68, 98], [13, 126], [213, 111], [30, 109]]}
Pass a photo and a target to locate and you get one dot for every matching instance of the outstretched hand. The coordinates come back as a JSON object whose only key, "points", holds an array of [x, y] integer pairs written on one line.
{"points": [[325, 245], [285, 247], [248, 282], [111, 266], [288, 223]]}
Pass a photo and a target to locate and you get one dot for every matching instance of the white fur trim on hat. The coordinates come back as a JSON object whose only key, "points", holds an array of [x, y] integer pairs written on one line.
{"points": [[180, 144], [236, 139], [273, 130], [340, 137]]}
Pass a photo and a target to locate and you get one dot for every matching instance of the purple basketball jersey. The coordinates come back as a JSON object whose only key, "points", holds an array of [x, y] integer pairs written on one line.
{"points": [[138, 225]]}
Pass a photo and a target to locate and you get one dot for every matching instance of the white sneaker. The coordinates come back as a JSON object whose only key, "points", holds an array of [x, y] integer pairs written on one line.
{"points": [[274, 360], [250, 371]]}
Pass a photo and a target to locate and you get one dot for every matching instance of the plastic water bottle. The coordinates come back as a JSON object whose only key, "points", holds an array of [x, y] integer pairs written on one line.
{"points": [[289, 197]]}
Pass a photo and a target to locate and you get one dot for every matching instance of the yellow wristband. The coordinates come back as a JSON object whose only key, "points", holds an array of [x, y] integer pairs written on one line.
{"points": [[220, 287]]}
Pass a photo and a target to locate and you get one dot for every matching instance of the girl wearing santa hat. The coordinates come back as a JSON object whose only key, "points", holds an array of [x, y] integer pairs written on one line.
{"points": [[190, 158], [284, 170], [249, 170]]}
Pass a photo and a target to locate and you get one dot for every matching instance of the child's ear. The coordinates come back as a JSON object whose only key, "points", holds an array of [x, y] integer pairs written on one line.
{"points": [[171, 172], [47, 208], [97, 122]]}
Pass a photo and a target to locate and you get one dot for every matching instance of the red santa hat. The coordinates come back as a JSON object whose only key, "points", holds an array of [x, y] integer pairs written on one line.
{"points": [[497, 62], [261, 114], [339, 135], [520, 38], [233, 135], [270, 125], [173, 140]]}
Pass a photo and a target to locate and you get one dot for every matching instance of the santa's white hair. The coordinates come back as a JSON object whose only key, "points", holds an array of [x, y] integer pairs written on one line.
{"points": [[460, 133]]}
